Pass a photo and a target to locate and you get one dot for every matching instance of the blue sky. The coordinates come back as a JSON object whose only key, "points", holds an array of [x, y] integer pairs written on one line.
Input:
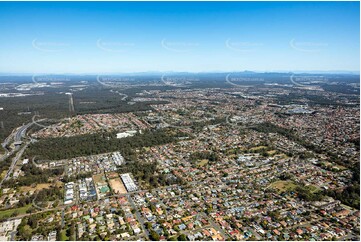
{"points": [[117, 37]]}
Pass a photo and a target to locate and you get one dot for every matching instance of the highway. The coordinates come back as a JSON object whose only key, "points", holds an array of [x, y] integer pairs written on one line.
{"points": [[18, 135], [4, 144], [7, 140], [13, 163]]}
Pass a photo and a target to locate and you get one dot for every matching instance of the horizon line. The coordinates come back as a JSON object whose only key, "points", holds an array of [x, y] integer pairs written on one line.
{"points": [[354, 72]]}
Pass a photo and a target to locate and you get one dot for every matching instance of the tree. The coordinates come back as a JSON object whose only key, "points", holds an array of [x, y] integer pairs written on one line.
{"points": [[148, 225], [153, 235], [25, 232], [33, 222], [182, 237]]}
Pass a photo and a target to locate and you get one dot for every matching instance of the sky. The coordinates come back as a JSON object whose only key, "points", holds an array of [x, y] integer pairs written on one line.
{"points": [[123, 37]]}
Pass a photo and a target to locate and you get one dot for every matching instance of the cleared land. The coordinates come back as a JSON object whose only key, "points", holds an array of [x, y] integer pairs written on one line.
{"points": [[258, 148], [117, 186], [202, 163], [63, 236], [39, 186], [100, 178], [313, 188], [271, 152], [2, 175], [11, 212], [112, 175], [283, 185]]}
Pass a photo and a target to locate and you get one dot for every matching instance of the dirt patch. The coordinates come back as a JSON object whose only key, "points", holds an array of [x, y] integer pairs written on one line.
{"points": [[37, 187], [117, 186], [112, 175]]}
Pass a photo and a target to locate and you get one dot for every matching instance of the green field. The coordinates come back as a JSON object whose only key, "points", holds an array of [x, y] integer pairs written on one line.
{"points": [[9, 212], [202, 163], [63, 236], [283, 185], [313, 188], [3, 173]]}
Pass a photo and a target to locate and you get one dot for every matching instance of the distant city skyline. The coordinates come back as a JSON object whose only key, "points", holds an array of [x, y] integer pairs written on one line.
{"points": [[129, 37]]}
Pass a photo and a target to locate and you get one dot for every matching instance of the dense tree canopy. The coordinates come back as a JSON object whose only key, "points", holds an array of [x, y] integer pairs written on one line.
{"points": [[90, 144]]}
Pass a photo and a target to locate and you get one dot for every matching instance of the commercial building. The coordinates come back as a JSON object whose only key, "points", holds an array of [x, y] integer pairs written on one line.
{"points": [[128, 182]]}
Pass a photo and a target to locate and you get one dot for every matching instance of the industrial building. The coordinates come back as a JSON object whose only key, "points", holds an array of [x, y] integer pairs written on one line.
{"points": [[128, 182]]}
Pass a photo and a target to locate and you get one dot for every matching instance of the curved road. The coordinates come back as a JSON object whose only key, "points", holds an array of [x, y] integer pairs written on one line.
{"points": [[18, 135]]}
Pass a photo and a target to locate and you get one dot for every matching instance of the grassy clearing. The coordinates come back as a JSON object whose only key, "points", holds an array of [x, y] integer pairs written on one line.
{"points": [[282, 156], [2, 150], [271, 152], [100, 178], [258, 148], [39, 186], [9, 212], [202, 163], [63, 236], [3, 173], [340, 168], [312, 188], [284, 185]]}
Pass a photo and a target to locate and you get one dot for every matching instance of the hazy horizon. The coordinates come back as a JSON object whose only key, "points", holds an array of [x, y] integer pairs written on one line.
{"points": [[189, 72]]}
